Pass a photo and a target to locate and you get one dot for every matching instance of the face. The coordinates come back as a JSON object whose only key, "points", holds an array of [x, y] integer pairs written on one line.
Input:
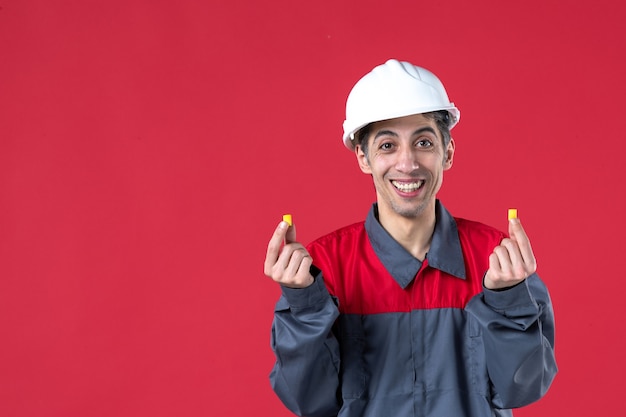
{"points": [[406, 158]]}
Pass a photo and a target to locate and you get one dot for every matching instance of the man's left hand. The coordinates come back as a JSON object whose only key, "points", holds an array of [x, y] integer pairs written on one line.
{"points": [[512, 261]]}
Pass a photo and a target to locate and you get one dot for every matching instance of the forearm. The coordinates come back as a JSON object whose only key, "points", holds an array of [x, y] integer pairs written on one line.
{"points": [[305, 375], [517, 328]]}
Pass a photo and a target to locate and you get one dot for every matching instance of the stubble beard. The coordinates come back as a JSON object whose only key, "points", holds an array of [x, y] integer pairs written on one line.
{"points": [[409, 213]]}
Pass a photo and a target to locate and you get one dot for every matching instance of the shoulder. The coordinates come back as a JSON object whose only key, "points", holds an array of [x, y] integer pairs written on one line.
{"points": [[473, 230], [340, 236]]}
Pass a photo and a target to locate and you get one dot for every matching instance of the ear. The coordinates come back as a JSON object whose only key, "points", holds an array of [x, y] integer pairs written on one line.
{"points": [[447, 163], [362, 160]]}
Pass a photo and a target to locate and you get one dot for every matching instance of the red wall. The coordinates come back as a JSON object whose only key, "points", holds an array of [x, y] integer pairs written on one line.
{"points": [[149, 148]]}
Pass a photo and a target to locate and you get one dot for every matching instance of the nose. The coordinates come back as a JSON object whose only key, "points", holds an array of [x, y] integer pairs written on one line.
{"points": [[407, 160]]}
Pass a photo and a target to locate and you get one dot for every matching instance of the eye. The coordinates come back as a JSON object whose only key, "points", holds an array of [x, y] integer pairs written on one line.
{"points": [[424, 143], [386, 146]]}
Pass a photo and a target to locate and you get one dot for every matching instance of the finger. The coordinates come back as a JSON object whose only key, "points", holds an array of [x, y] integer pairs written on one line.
{"points": [[516, 267], [504, 260], [304, 271], [273, 247], [493, 273], [494, 264], [291, 252], [295, 262], [292, 267], [518, 234]]}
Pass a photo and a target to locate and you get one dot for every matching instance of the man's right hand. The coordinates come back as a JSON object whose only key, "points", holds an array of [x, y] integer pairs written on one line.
{"points": [[287, 261]]}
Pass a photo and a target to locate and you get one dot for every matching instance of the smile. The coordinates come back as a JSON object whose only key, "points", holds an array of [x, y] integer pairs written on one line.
{"points": [[407, 187]]}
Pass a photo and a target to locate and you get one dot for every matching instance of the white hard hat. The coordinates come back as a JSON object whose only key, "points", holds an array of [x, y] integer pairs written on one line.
{"points": [[394, 89]]}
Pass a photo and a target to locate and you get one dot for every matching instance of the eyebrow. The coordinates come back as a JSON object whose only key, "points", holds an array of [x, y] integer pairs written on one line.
{"points": [[394, 134]]}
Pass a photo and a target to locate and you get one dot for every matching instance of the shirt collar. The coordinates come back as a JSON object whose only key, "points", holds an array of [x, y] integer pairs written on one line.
{"points": [[445, 248]]}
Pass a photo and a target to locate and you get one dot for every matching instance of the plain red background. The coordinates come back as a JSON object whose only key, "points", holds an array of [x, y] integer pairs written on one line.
{"points": [[149, 148]]}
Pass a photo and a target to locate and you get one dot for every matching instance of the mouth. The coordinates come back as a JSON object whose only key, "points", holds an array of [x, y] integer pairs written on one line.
{"points": [[407, 186]]}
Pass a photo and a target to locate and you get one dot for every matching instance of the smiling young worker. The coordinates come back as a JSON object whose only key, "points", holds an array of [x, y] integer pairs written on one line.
{"points": [[412, 312]]}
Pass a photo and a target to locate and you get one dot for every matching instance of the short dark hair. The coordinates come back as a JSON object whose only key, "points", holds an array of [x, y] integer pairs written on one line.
{"points": [[442, 120]]}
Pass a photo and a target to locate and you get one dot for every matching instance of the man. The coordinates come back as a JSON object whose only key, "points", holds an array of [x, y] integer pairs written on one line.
{"points": [[412, 312]]}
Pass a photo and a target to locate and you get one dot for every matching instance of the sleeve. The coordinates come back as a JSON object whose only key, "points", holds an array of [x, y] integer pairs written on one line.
{"points": [[517, 328], [306, 373]]}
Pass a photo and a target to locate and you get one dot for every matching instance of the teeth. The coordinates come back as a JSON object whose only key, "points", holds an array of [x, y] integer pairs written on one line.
{"points": [[407, 186]]}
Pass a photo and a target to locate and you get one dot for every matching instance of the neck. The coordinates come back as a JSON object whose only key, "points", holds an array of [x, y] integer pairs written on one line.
{"points": [[413, 233]]}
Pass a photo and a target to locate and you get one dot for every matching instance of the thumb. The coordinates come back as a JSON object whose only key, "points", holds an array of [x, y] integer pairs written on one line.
{"points": [[290, 236], [513, 222], [515, 229]]}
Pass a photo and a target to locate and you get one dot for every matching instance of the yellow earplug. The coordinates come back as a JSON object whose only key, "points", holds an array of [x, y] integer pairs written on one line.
{"points": [[287, 218], [512, 214]]}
